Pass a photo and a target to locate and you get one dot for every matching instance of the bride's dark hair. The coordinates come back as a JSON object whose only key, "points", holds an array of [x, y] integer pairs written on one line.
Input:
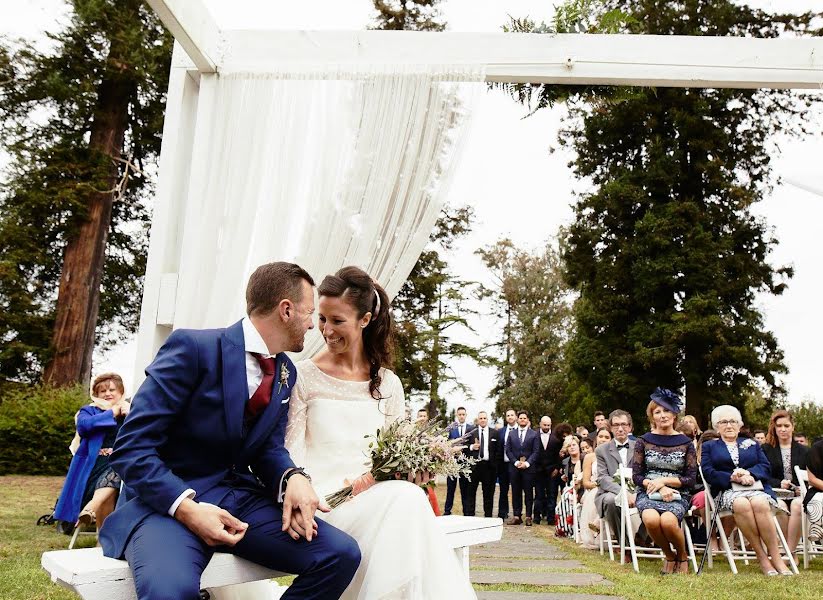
{"points": [[365, 295]]}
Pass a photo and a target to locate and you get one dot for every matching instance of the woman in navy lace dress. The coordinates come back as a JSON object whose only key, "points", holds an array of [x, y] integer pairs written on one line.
{"points": [[664, 471]]}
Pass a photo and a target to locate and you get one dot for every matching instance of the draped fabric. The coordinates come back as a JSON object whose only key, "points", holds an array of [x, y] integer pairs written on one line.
{"points": [[323, 167]]}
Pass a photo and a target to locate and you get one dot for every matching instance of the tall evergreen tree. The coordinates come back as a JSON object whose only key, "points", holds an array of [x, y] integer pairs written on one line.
{"points": [[82, 124], [666, 253], [534, 305], [411, 15], [429, 307]]}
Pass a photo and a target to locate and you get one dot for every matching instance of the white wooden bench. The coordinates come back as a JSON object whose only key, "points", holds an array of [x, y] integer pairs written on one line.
{"points": [[95, 577]]}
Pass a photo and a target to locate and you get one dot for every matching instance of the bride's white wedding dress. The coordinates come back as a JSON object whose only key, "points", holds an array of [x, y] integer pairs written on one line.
{"points": [[405, 556]]}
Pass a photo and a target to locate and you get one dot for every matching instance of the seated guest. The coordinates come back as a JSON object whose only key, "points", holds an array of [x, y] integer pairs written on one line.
{"points": [[572, 478], [801, 439], [785, 454], [693, 422], [814, 495], [664, 471], [91, 482], [586, 447], [760, 436], [738, 472], [589, 517], [562, 431], [581, 432], [611, 456]]}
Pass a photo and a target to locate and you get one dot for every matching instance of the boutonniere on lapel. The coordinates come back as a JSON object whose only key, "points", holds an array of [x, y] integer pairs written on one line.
{"points": [[284, 377], [748, 443]]}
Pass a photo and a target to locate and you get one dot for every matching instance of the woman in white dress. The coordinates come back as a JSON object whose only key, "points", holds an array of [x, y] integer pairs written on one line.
{"points": [[589, 517], [343, 394]]}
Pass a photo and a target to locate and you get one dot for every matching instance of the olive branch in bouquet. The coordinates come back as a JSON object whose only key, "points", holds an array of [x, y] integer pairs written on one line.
{"points": [[404, 448]]}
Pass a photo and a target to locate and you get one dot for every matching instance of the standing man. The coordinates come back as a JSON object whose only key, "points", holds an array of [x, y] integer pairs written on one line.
{"points": [[503, 463], [484, 449], [459, 430], [617, 453], [522, 449], [600, 421], [548, 468], [204, 463]]}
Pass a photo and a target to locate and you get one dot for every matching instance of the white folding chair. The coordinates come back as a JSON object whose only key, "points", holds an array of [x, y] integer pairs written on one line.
{"points": [[627, 531], [809, 548], [606, 538], [742, 554]]}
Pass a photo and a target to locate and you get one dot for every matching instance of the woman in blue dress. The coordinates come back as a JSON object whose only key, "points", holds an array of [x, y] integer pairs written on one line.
{"points": [[664, 470], [91, 483]]}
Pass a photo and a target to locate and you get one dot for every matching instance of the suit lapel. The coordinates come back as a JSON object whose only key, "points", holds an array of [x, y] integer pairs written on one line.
{"points": [[235, 385], [279, 401]]}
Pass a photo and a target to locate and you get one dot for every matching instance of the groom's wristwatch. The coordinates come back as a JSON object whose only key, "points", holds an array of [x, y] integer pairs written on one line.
{"points": [[295, 471]]}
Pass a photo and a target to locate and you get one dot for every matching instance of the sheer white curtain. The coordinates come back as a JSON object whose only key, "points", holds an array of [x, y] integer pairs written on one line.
{"points": [[321, 167]]}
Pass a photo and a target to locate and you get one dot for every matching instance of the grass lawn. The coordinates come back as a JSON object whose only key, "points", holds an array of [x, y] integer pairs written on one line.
{"points": [[23, 499], [715, 584]]}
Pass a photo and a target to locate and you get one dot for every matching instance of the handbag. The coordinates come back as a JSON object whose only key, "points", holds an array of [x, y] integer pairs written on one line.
{"points": [[658, 496], [739, 487]]}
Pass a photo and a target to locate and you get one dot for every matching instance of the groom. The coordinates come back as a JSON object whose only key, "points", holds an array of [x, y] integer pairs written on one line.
{"points": [[203, 460]]}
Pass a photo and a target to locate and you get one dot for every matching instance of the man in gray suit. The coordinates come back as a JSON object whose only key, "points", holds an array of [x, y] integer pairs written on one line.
{"points": [[618, 452]]}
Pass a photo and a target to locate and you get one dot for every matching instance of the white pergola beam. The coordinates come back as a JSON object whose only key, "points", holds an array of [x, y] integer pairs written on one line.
{"points": [[191, 24], [576, 59]]}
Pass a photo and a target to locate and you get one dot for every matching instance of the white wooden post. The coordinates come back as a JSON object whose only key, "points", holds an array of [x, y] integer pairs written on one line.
{"points": [[169, 205]]}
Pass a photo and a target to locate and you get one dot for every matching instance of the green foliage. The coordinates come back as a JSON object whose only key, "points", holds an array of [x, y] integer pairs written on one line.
{"points": [[534, 305], [411, 15], [808, 418], [48, 105], [429, 307], [36, 427], [665, 252]]}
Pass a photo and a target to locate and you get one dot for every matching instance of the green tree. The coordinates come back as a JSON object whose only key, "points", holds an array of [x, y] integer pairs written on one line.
{"points": [[665, 253], [534, 305], [82, 125], [411, 15], [430, 307]]}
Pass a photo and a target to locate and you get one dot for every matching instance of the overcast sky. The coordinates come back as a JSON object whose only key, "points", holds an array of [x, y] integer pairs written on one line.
{"points": [[519, 188]]}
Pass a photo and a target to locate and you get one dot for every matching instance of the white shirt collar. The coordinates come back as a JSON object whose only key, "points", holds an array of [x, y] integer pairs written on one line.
{"points": [[621, 443], [253, 341]]}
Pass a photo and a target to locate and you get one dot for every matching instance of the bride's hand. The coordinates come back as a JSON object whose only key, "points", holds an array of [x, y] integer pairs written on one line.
{"points": [[299, 505], [421, 478]]}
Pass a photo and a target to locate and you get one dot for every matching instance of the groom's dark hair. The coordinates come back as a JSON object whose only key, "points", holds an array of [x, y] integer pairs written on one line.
{"points": [[273, 282]]}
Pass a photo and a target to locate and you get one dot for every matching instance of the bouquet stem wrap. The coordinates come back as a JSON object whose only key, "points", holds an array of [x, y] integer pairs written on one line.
{"points": [[362, 483]]}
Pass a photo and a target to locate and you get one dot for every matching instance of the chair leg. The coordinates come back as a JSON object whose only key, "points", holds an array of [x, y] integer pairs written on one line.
{"points": [[689, 545], [606, 529], [724, 541], [804, 533], [632, 548], [74, 536], [786, 549]]}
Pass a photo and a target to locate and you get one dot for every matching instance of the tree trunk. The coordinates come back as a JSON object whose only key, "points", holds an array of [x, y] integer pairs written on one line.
{"points": [[78, 299]]}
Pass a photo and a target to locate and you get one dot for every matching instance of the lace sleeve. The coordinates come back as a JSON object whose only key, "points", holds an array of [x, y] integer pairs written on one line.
{"points": [[639, 463], [689, 476], [296, 427], [395, 403]]}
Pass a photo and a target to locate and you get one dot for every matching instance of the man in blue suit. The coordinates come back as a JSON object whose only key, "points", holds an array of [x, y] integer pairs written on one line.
{"points": [[522, 448], [459, 429], [203, 459]]}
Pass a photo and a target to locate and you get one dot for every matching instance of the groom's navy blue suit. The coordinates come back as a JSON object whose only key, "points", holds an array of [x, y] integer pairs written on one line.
{"points": [[186, 430]]}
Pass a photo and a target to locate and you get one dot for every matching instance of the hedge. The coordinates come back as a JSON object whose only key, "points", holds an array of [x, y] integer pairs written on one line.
{"points": [[36, 427]]}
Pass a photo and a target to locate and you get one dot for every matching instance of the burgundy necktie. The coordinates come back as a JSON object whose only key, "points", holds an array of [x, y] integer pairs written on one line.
{"points": [[262, 396]]}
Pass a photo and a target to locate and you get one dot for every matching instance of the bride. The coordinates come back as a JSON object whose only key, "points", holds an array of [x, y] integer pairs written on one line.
{"points": [[343, 394]]}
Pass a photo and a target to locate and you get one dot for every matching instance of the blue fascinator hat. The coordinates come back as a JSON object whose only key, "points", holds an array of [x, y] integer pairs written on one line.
{"points": [[667, 399]]}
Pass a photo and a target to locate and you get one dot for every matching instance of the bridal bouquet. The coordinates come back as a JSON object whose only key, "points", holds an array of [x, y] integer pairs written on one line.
{"points": [[405, 448]]}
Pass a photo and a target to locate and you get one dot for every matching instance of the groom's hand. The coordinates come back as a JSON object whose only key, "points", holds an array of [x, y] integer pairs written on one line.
{"points": [[299, 505], [212, 524]]}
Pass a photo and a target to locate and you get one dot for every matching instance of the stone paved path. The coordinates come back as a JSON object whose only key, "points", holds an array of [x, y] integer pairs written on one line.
{"points": [[525, 555]]}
